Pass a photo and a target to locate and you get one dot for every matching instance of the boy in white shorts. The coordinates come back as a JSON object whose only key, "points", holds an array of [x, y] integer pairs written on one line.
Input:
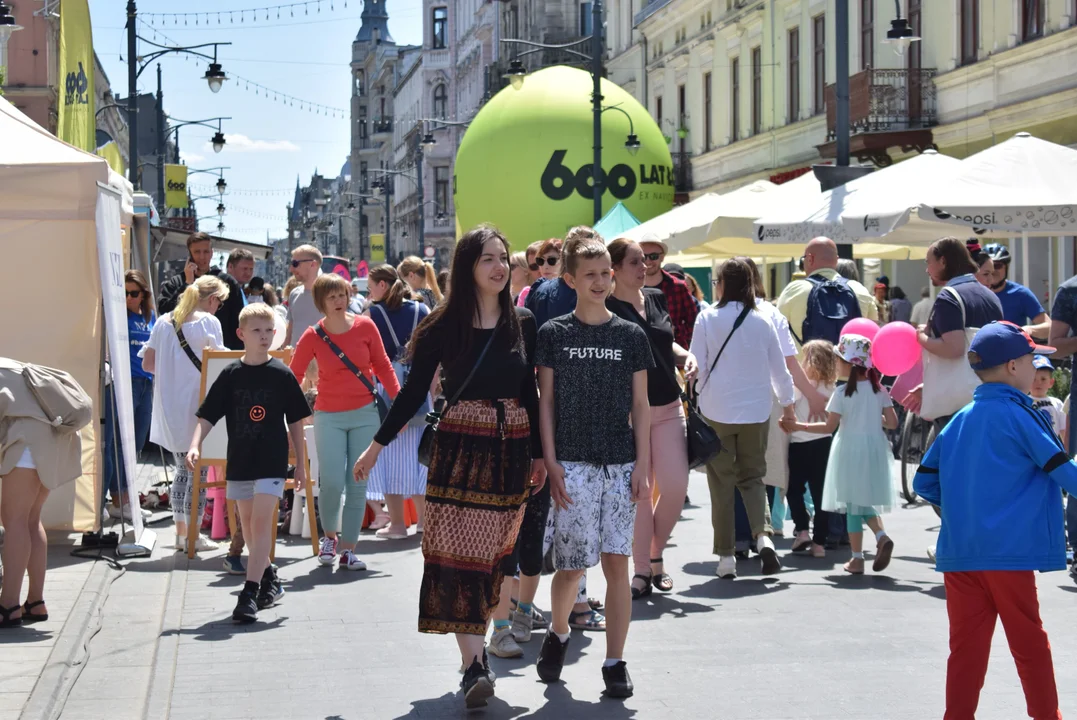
{"points": [[592, 369], [254, 395]]}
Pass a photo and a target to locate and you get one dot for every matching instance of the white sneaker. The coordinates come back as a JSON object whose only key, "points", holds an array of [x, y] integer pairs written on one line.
{"points": [[503, 644], [931, 553], [767, 555], [181, 543], [203, 544], [327, 555], [348, 561], [727, 567], [125, 511], [522, 625]]}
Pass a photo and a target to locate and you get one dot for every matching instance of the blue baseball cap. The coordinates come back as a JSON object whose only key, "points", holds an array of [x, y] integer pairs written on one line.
{"points": [[1042, 362], [1001, 341]]}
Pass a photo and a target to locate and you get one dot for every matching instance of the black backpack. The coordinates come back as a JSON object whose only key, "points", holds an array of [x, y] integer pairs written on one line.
{"points": [[831, 304]]}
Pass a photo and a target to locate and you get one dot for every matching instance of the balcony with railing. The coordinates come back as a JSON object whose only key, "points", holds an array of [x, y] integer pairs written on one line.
{"points": [[382, 126], [887, 108], [682, 173]]}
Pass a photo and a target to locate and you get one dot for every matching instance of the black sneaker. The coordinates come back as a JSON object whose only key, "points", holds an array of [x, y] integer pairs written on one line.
{"points": [[270, 590], [618, 683], [478, 684], [551, 658], [246, 609]]}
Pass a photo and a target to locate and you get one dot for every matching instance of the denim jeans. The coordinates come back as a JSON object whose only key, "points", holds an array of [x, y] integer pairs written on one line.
{"points": [[142, 401]]}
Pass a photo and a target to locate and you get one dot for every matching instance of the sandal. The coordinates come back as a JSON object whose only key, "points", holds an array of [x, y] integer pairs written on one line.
{"points": [[662, 581], [29, 617], [6, 620], [638, 593], [596, 621], [595, 604]]}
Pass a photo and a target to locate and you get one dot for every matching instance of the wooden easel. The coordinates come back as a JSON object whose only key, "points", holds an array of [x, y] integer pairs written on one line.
{"points": [[194, 523]]}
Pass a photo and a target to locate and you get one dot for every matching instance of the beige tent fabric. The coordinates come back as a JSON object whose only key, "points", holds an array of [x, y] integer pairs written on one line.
{"points": [[50, 289]]}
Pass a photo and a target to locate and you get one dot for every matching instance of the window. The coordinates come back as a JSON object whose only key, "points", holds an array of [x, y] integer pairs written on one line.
{"points": [[794, 75], [970, 30], [439, 39], [362, 177], [658, 110], [586, 17], [359, 82], [441, 101], [734, 99], [1032, 19], [682, 115], [707, 138], [441, 189], [867, 34], [818, 64], [757, 90]]}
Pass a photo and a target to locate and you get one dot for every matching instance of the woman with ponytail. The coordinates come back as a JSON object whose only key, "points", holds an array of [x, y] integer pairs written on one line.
{"points": [[422, 278], [399, 475], [173, 354]]}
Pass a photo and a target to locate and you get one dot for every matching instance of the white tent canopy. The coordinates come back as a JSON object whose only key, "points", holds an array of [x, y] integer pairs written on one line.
{"points": [[1022, 185], [893, 190], [683, 226]]}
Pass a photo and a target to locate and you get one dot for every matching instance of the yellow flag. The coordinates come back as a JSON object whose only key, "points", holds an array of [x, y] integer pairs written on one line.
{"points": [[77, 122], [377, 248], [111, 152], [176, 186]]}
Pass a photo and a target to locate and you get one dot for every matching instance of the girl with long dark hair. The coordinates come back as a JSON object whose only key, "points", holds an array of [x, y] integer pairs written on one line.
{"points": [[485, 456]]}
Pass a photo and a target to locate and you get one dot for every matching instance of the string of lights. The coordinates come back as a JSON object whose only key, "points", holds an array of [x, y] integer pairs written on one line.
{"points": [[252, 15], [209, 189], [261, 90]]}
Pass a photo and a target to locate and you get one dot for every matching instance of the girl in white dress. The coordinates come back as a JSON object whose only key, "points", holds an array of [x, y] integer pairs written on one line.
{"points": [[859, 480]]}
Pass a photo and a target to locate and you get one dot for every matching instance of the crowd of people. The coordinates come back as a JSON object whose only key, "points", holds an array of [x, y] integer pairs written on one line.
{"points": [[532, 409]]}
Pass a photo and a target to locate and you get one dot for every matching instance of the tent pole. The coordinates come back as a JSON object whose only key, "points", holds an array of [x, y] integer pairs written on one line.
{"points": [[1024, 258], [1050, 269], [766, 278]]}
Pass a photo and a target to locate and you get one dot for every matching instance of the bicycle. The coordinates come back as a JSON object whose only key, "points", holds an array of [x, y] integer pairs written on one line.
{"points": [[917, 435]]}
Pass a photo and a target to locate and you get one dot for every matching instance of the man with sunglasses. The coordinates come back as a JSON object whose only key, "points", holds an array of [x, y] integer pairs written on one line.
{"points": [[302, 314], [682, 305], [199, 256]]}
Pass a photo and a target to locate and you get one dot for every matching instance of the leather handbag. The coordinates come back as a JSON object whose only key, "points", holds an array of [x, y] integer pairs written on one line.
{"points": [[948, 383], [379, 401], [433, 418]]}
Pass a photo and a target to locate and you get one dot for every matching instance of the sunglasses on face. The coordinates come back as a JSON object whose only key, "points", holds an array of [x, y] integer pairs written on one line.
{"points": [[134, 293], [297, 263], [533, 267], [653, 257], [551, 261]]}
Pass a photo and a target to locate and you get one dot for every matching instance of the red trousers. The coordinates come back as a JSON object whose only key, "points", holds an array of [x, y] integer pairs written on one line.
{"points": [[973, 602]]}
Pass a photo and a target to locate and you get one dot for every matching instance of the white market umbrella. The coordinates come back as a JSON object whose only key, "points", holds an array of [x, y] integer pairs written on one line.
{"points": [[683, 226], [846, 213]]}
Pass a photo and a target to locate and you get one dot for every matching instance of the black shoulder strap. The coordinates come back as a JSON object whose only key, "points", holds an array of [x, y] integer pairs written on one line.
{"points": [[645, 326], [460, 390], [344, 359], [739, 321], [186, 348]]}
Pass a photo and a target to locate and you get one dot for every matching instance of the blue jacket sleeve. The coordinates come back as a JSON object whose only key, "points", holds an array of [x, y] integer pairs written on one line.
{"points": [[1035, 435], [926, 482]]}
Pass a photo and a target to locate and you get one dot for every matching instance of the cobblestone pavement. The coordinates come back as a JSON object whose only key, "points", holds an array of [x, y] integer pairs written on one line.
{"points": [[811, 642]]}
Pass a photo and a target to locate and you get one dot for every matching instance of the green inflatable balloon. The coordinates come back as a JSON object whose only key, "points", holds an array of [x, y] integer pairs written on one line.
{"points": [[525, 162]]}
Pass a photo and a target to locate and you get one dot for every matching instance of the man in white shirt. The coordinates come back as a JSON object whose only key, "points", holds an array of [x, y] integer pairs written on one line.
{"points": [[922, 309], [306, 267]]}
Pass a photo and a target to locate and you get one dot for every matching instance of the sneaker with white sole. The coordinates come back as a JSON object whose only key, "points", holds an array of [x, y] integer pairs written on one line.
{"points": [[124, 512], [522, 625], [234, 565], [767, 555], [202, 545], [503, 644], [327, 555], [727, 567], [348, 561]]}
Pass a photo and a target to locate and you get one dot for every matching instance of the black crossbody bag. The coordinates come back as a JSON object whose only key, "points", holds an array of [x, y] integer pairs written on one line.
{"points": [[186, 348], [433, 418], [379, 401]]}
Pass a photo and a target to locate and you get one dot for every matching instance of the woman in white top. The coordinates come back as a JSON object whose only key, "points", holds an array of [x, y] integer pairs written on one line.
{"points": [[735, 397], [175, 391]]}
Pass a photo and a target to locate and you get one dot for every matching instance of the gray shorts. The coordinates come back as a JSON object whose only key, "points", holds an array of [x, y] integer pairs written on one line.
{"points": [[247, 489], [601, 518]]}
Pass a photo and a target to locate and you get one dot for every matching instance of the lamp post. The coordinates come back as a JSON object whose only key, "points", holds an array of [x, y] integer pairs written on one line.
{"points": [[214, 76], [385, 187], [517, 72], [351, 206]]}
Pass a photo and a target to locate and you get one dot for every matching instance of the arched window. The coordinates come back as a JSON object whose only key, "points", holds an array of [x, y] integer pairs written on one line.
{"points": [[441, 101]]}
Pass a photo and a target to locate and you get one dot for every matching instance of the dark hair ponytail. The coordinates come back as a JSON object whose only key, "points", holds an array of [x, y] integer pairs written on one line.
{"points": [[857, 374]]}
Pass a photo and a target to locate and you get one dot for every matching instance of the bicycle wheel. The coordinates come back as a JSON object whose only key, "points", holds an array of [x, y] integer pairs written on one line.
{"points": [[910, 455]]}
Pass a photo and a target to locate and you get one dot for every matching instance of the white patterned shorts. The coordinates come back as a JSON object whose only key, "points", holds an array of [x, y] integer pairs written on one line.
{"points": [[600, 519]]}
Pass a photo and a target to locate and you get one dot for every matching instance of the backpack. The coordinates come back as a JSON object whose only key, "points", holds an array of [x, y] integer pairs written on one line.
{"points": [[831, 304]]}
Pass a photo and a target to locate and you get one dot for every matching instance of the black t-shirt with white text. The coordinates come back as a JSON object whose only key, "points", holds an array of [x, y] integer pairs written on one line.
{"points": [[254, 401], [593, 367]]}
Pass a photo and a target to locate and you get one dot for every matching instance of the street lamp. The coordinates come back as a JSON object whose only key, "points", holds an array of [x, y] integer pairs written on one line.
{"points": [[221, 186], [7, 26], [516, 74], [218, 141], [900, 34], [220, 208], [215, 76]]}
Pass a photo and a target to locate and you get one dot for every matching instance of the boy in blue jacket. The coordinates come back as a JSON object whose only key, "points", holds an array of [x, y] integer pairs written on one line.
{"points": [[1002, 520]]}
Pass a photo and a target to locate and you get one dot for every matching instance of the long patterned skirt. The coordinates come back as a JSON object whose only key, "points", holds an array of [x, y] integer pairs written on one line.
{"points": [[475, 495]]}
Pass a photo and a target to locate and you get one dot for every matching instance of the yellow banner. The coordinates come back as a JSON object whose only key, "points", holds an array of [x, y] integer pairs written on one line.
{"points": [[377, 248], [77, 122], [175, 186], [111, 152]]}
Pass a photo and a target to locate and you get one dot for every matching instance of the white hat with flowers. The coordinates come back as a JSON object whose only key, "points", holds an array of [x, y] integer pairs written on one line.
{"points": [[855, 350]]}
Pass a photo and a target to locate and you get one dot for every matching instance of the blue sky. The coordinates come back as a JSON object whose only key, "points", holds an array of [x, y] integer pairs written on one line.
{"points": [[269, 143]]}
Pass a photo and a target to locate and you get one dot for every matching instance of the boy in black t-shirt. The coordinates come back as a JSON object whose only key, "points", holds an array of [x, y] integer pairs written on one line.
{"points": [[592, 377], [254, 395]]}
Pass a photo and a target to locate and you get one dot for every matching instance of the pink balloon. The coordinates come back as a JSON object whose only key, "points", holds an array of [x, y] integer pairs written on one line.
{"points": [[895, 349], [861, 326], [908, 380]]}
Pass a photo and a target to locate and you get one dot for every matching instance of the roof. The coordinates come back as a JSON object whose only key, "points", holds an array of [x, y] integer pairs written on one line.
{"points": [[374, 18]]}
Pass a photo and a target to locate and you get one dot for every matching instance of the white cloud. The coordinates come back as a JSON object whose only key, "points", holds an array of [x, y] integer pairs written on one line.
{"points": [[191, 158], [241, 143]]}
